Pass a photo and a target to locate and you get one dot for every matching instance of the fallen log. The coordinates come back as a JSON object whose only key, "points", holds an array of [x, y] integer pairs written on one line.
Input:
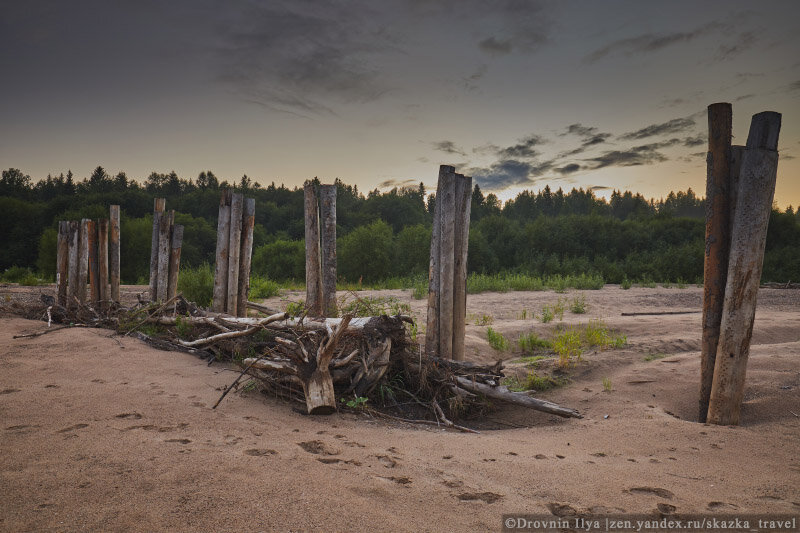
{"points": [[518, 398]]}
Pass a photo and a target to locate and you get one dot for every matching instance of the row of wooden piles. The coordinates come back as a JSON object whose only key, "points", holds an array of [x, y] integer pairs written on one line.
{"points": [[88, 251]]}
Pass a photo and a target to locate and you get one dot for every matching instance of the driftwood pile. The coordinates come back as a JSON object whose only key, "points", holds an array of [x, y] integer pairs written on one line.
{"points": [[367, 362]]}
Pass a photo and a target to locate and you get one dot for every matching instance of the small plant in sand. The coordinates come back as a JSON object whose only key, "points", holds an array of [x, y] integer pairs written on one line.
{"points": [[530, 342], [596, 334], [607, 384], [578, 305], [626, 284], [358, 402], [654, 356], [681, 283], [523, 315], [484, 320], [567, 346], [294, 309], [496, 340], [559, 307], [547, 314], [539, 383]]}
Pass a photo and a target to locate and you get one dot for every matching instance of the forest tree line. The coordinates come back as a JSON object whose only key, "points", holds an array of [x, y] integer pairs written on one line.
{"points": [[387, 234]]}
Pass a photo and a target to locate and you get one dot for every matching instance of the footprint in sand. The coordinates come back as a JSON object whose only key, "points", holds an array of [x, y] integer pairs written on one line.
{"points": [[402, 480], [721, 506], [25, 428], [129, 416], [260, 452], [51, 386], [540, 456], [318, 447], [386, 461], [9, 391], [661, 493], [486, 497], [562, 509], [73, 428], [666, 509], [179, 441]]}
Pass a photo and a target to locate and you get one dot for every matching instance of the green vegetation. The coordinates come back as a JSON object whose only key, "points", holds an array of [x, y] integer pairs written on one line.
{"points": [[534, 382], [626, 284], [547, 314], [197, 284], [497, 340], [607, 387], [554, 240], [654, 356], [484, 320], [262, 287], [578, 305], [530, 342], [570, 344]]}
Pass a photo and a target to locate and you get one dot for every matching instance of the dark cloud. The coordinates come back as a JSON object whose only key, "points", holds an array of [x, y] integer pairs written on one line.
{"points": [[743, 43], [794, 86], [524, 149], [447, 147], [697, 140], [590, 137], [392, 183], [568, 169], [675, 125], [470, 82], [744, 97], [580, 130], [495, 47], [646, 154], [594, 188], [508, 173], [649, 42]]}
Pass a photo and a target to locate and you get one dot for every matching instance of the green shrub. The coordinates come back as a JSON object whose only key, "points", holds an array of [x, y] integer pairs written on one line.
{"points": [[280, 260], [374, 306], [496, 340], [547, 314], [530, 342], [16, 274], [262, 287], [626, 284], [197, 284], [567, 346], [578, 305]]}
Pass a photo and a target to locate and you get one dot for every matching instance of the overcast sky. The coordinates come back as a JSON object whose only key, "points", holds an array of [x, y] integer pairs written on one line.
{"points": [[518, 94]]}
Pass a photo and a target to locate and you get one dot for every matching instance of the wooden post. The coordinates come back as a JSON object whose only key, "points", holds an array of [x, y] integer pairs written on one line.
{"points": [[62, 261], [246, 254], [715, 265], [83, 260], [434, 279], [102, 260], [313, 271], [754, 203], [234, 249], [447, 264], [94, 273], [223, 241], [113, 252], [176, 241], [327, 214], [164, 231], [463, 205], [74, 268], [158, 209]]}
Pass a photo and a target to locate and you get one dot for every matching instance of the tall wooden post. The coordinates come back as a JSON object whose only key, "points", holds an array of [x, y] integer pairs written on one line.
{"points": [[234, 249], [313, 271], [74, 267], [327, 213], [246, 254], [102, 260], [221, 265], [83, 260], [434, 280], [113, 252], [164, 226], [94, 272], [62, 261], [463, 206], [447, 277], [715, 265], [176, 241], [446, 264], [754, 203], [159, 205]]}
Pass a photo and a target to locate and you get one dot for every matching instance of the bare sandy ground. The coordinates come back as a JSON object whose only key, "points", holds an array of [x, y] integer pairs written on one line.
{"points": [[101, 432]]}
